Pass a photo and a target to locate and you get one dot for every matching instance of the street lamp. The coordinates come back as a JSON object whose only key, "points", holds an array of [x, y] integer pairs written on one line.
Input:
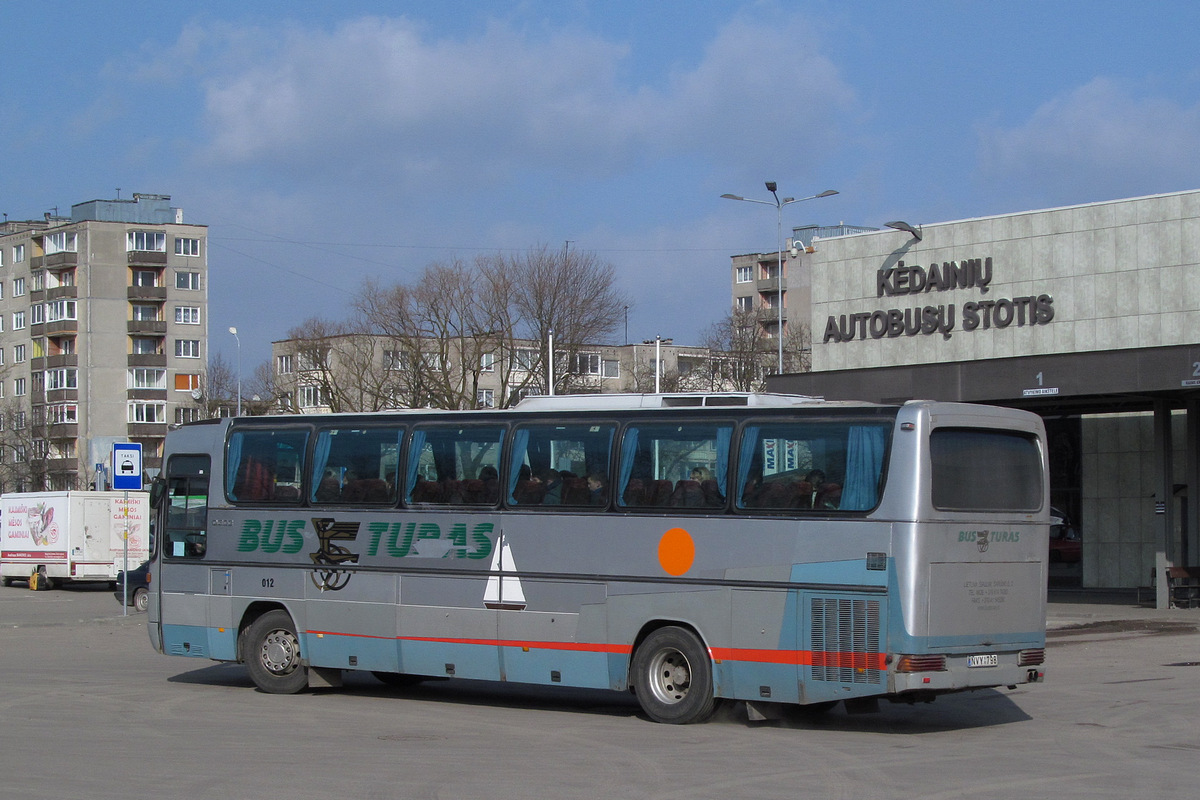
{"points": [[233, 330], [779, 204], [658, 342]]}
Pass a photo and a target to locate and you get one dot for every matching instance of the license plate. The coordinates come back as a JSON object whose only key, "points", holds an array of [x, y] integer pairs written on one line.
{"points": [[986, 660]]}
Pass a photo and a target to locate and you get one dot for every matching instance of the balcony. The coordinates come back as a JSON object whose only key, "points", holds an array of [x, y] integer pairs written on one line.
{"points": [[62, 291], [146, 292], [146, 394], [53, 362], [768, 285], [55, 328], [63, 430], [147, 430], [152, 326], [62, 395], [151, 258], [60, 260], [147, 359]]}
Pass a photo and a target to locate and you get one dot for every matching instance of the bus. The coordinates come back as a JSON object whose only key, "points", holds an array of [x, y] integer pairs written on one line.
{"points": [[694, 549]]}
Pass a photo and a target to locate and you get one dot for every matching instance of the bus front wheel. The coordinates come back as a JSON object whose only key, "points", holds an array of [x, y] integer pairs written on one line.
{"points": [[273, 654], [672, 676]]}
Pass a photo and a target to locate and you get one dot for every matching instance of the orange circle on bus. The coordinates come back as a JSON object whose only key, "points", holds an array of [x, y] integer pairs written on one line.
{"points": [[676, 551]]}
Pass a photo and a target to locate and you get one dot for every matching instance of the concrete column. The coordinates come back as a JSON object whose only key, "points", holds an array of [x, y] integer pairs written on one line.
{"points": [[1164, 480]]}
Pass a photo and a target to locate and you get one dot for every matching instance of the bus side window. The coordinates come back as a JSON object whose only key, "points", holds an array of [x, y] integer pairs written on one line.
{"points": [[356, 465], [676, 466], [560, 465], [454, 465]]}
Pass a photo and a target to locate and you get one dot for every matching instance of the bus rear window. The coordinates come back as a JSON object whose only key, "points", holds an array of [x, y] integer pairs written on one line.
{"points": [[985, 470]]}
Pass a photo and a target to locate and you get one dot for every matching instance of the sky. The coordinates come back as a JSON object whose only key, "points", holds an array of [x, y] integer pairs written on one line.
{"points": [[324, 144]]}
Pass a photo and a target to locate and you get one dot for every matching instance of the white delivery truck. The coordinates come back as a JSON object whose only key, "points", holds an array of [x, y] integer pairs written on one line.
{"points": [[50, 537]]}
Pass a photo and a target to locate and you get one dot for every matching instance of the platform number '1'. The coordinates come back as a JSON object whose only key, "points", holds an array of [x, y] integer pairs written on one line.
{"points": [[1039, 379]]}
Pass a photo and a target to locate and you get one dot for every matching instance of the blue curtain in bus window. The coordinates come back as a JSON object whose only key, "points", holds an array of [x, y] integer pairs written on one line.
{"points": [[415, 446], [629, 446], [519, 445], [724, 437], [233, 461], [320, 460], [864, 463], [745, 459]]}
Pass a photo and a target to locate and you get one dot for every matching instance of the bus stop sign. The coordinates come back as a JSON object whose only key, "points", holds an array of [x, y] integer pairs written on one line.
{"points": [[127, 466]]}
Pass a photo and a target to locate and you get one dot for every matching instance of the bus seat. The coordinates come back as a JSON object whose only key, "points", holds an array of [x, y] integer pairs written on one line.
{"points": [[575, 491], [633, 492], [529, 492], [659, 493], [427, 492], [687, 494], [287, 494], [327, 490], [712, 493]]}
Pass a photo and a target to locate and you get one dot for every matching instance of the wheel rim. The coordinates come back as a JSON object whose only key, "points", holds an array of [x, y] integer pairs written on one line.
{"points": [[279, 652], [670, 676]]}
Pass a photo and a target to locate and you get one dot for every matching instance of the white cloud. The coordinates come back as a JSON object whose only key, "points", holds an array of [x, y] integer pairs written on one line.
{"points": [[380, 98], [1099, 142]]}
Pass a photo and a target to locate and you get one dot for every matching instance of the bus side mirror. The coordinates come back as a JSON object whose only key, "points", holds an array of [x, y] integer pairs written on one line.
{"points": [[158, 490]]}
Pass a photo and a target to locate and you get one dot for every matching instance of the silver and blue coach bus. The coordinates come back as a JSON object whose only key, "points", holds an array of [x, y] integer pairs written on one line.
{"points": [[690, 548]]}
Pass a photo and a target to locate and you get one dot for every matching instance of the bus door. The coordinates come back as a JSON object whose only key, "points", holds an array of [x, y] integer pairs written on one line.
{"points": [[183, 580]]}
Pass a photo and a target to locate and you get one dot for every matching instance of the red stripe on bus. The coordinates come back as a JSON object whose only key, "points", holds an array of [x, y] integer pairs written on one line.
{"points": [[574, 647], [805, 658]]}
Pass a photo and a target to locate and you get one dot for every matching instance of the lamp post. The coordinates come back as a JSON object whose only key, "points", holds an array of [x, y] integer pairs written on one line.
{"points": [[779, 203], [658, 343], [233, 330]]}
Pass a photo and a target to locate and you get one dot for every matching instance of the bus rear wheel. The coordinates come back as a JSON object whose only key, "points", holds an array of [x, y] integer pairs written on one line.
{"points": [[272, 654], [672, 676]]}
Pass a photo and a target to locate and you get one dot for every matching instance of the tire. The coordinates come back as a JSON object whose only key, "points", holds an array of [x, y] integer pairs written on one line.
{"points": [[272, 654], [672, 676], [141, 599]]}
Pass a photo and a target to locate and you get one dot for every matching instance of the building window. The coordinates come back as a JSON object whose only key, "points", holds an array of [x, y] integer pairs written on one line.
{"points": [[146, 346], [62, 414], [61, 242], [37, 280], [187, 279], [145, 277], [525, 359], [392, 359], [19, 387], [18, 353], [187, 381], [37, 314], [312, 397], [190, 414], [64, 278], [487, 363], [187, 348], [39, 347], [62, 379], [187, 247], [485, 398], [140, 411], [18, 253], [284, 364], [18, 287], [145, 312], [744, 304], [611, 368], [18, 320], [146, 378], [587, 364], [187, 315], [145, 241], [745, 274], [61, 310]]}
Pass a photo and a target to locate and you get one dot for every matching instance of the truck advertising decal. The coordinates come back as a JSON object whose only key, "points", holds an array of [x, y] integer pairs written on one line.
{"points": [[30, 532]]}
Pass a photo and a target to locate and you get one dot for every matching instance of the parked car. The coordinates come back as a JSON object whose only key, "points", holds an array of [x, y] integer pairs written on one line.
{"points": [[1065, 544], [139, 587]]}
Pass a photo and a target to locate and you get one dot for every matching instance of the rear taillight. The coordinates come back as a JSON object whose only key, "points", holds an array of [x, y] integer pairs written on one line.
{"points": [[925, 663], [1031, 657]]}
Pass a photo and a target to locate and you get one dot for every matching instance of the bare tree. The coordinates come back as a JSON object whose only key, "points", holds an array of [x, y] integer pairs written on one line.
{"points": [[571, 293]]}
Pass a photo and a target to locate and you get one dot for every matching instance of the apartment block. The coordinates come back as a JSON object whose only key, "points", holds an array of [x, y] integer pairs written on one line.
{"points": [[103, 337]]}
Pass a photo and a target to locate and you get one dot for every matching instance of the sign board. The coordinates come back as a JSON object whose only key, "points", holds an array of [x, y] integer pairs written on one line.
{"points": [[127, 466]]}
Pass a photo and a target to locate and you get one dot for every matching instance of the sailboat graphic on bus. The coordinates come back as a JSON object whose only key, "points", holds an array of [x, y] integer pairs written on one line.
{"points": [[503, 591]]}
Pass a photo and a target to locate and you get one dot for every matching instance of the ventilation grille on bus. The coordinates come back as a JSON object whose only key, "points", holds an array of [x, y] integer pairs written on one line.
{"points": [[845, 640]]}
